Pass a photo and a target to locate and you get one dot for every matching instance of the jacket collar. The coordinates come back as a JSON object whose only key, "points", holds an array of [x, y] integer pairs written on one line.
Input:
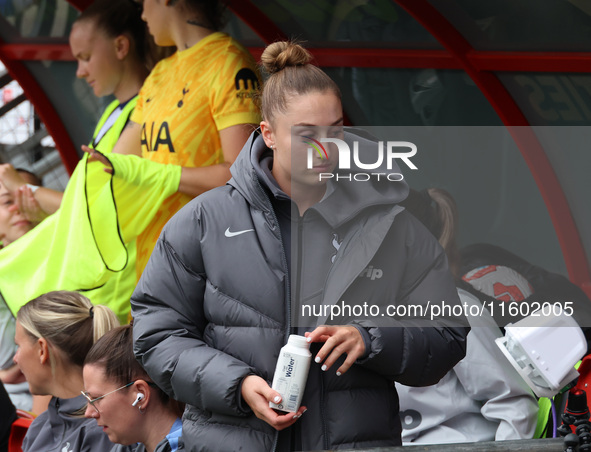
{"points": [[64, 409], [244, 174], [347, 200]]}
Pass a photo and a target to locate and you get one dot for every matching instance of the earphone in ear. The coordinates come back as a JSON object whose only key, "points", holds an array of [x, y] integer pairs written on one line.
{"points": [[139, 397]]}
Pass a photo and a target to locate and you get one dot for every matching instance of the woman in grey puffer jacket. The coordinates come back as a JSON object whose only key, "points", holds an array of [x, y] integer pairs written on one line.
{"points": [[235, 269]]}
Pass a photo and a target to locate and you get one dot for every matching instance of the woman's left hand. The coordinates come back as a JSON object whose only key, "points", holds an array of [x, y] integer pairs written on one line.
{"points": [[97, 156], [338, 339]]}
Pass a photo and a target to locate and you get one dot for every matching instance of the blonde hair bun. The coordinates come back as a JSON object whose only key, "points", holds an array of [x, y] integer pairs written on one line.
{"points": [[290, 74], [279, 55]]}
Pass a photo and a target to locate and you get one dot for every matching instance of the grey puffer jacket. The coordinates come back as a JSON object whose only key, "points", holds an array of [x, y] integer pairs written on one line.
{"points": [[214, 306]]}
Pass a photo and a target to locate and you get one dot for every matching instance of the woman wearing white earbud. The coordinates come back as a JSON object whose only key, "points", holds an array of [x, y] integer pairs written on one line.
{"points": [[125, 402]]}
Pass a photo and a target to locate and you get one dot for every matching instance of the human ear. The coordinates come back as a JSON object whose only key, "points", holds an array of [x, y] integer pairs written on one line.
{"points": [[141, 387], [122, 45], [43, 350], [267, 133]]}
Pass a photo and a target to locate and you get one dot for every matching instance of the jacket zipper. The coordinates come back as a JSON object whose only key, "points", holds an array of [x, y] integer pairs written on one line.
{"points": [[299, 259], [287, 282], [322, 413], [298, 282]]}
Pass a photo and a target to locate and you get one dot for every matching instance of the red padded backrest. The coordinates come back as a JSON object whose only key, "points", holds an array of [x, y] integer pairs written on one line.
{"points": [[17, 434]]}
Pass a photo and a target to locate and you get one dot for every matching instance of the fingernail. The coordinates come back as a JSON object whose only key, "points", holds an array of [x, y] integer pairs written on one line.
{"points": [[277, 399], [338, 374], [317, 359], [323, 367], [305, 409], [308, 339], [296, 416]]}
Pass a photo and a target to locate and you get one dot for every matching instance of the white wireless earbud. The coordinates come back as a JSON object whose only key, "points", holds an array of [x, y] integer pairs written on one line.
{"points": [[139, 397]]}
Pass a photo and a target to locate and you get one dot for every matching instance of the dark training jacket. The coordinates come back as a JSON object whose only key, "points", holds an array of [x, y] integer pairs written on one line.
{"points": [[60, 429], [213, 306]]}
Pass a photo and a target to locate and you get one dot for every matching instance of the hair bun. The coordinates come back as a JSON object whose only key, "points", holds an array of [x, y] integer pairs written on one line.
{"points": [[279, 55]]}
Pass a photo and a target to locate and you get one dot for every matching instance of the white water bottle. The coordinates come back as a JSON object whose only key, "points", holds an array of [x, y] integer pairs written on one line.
{"points": [[291, 373]]}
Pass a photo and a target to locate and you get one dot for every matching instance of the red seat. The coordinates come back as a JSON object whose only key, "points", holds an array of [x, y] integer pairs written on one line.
{"points": [[584, 381], [18, 431]]}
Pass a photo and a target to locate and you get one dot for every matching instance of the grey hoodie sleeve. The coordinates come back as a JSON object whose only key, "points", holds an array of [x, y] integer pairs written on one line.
{"points": [[418, 352], [169, 323]]}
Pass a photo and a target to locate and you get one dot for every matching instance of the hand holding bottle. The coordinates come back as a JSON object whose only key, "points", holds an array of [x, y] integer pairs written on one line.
{"points": [[257, 394]]}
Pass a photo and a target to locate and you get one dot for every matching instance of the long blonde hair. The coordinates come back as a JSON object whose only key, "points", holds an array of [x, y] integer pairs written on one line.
{"points": [[67, 320]]}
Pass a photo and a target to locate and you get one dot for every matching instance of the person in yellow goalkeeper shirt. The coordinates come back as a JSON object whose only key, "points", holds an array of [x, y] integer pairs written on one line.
{"points": [[196, 109]]}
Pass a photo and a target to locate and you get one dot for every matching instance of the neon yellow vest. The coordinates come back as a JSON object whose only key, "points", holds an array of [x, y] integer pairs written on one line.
{"points": [[121, 284], [107, 142], [82, 246]]}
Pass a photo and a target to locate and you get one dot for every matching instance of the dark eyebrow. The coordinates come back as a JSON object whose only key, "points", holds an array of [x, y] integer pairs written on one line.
{"points": [[302, 124], [92, 396]]}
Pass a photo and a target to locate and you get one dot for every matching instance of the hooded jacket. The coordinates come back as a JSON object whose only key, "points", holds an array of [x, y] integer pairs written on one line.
{"points": [[217, 301]]}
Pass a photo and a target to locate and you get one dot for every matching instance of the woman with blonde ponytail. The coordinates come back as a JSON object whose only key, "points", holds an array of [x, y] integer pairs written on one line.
{"points": [[54, 332], [234, 273]]}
